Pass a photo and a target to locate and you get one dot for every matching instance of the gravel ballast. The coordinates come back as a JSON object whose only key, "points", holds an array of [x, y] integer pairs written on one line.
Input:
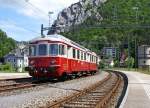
{"points": [[51, 93]]}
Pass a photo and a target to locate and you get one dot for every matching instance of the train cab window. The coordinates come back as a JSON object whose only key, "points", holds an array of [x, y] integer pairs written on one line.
{"points": [[62, 49], [42, 49], [53, 49], [74, 53], [32, 50]]}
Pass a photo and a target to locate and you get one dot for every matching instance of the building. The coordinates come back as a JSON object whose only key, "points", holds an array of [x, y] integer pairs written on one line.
{"points": [[144, 56], [110, 52], [18, 58]]}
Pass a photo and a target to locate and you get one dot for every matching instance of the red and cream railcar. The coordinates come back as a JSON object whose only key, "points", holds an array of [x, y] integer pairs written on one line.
{"points": [[57, 56]]}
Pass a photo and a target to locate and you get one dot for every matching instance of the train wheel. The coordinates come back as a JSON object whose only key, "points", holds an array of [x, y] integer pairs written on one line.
{"points": [[63, 77], [92, 72]]}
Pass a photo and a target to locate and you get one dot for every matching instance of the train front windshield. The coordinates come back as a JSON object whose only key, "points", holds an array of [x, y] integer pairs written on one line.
{"points": [[43, 50], [53, 49]]}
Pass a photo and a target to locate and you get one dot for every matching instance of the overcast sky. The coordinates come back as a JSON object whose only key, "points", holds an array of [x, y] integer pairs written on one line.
{"points": [[21, 19]]}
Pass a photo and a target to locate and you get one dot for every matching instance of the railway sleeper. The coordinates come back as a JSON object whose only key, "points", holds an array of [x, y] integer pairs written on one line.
{"points": [[83, 103], [76, 106], [95, 98], [93, 95], [88, 100]]}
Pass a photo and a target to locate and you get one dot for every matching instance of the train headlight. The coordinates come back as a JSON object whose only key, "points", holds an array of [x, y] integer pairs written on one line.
{"points": [[32, 62], [53, 61]]}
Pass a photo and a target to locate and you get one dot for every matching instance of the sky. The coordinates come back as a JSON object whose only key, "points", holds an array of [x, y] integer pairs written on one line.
{"points": [[22, 19]]}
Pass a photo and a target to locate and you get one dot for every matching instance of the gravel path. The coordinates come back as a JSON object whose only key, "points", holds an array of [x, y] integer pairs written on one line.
{"points": [[51, 93]]}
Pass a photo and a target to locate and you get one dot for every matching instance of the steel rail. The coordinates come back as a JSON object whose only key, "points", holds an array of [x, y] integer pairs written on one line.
{"points": [[96, 96], [11, 87]]}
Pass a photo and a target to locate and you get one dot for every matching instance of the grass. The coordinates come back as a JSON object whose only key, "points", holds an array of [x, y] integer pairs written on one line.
{"points": [[144, 71]]}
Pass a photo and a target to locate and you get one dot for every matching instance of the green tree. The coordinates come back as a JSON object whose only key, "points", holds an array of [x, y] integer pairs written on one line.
{"points": [[6, 44]]}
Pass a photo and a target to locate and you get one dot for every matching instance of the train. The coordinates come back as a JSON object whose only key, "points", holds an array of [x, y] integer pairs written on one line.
{"points": [[55, 56]]}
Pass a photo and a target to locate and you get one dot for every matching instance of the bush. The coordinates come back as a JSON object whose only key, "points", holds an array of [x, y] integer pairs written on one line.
{"points": [[102, 64], [5, 67], [129, 62]]}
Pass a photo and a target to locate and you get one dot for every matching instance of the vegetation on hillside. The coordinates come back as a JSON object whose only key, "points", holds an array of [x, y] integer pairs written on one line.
{"points": [[6, 44], [126, 15]]}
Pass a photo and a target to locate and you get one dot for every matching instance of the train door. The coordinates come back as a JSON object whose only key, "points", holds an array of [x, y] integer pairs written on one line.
{"points": [[69, 57]]}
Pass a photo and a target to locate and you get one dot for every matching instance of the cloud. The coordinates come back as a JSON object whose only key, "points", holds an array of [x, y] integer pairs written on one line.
{"points": [[34, 9], [37, 8]]}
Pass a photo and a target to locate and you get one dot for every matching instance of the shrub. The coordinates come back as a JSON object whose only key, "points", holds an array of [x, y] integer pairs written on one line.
{"points": [[129, 62]]}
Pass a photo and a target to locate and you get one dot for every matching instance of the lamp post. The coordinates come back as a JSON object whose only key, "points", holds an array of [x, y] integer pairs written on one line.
{"points": [[49, 14], [136, 8]]}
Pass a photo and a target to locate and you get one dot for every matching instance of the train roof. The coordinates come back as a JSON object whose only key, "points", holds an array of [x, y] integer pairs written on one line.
{"points": [[60, 38]]}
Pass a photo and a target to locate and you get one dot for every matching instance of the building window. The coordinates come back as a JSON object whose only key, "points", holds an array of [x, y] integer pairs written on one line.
{"points": [[74, 53], [42, 49], [53, 49], [61, 49]]}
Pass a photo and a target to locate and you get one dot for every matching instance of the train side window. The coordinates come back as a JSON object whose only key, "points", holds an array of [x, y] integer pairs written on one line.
{"points": [[74, 53], [84, 56], [90, 58], [61, 49], [81, 55], [78, 54], [96, 60]]}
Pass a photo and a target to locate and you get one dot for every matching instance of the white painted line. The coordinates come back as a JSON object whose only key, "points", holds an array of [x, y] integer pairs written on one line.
{"points": [[125, 97]]}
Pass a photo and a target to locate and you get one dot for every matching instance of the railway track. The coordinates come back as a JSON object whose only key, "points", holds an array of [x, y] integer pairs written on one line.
{"points": [[101, 95], [10, 87], [22, 83]]}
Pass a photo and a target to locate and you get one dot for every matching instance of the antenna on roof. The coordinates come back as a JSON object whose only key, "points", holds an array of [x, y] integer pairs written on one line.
{"points": [[42, 29]]}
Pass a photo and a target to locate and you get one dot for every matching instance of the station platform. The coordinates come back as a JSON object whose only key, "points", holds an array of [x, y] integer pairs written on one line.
{"points": [[13, 75], [138, 95]]}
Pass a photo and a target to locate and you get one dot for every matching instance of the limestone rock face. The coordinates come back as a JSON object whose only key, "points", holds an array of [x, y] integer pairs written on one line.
{"points": [[76, 14]]}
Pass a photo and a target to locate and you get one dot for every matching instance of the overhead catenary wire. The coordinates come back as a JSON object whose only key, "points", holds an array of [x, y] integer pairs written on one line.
{"points": [[35, 8], [18, 26]]}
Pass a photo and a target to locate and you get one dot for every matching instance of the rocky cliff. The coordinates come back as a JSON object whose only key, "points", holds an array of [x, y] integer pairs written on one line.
{"points": [[76, 14]]}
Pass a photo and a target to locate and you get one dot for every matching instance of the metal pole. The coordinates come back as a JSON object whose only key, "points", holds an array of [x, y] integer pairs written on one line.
{"points": [[135, 53], [42, 30]]}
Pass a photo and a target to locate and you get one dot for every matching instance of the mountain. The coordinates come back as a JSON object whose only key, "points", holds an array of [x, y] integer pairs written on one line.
{"points": [[131, 19], [76, 14]]}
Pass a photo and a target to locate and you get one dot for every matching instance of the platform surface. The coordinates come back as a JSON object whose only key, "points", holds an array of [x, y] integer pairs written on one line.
{"points": [[13, 75], [139, 90]]}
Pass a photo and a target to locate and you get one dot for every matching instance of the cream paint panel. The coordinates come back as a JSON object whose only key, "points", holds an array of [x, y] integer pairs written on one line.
{"points": [[141, 61]]}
